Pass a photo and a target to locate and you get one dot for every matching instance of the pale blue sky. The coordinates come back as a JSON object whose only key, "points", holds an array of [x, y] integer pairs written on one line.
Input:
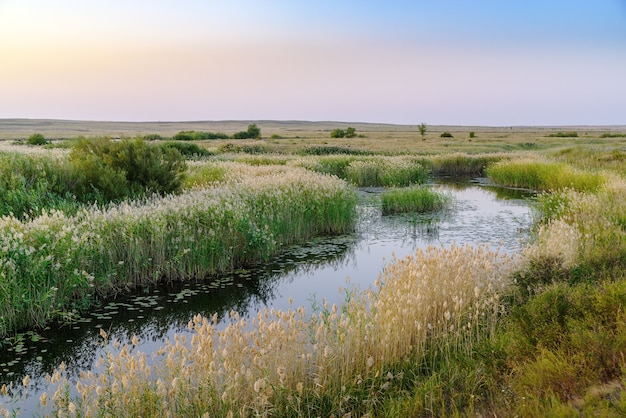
{"points": [[466, 62]]}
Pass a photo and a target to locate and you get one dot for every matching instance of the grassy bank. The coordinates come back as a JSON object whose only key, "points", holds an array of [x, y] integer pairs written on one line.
{"points": [[543, 175], [55, 262]]}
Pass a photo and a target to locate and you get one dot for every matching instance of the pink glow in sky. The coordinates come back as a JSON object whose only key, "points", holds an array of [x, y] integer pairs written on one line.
{"points": [[453, 62]]}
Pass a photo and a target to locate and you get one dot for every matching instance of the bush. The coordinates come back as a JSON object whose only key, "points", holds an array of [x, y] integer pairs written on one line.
{"points": [[188, 150], [570, 134], [111, 170], [610, 135], [333, 150], [253, 132], [37, 139], [198, 136], [337, 133], [350, 132], [472, 134], [152, 137], [446, 135]]}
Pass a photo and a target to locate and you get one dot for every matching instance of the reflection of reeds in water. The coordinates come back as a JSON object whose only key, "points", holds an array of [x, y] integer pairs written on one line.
{"points": [[438, 300]]}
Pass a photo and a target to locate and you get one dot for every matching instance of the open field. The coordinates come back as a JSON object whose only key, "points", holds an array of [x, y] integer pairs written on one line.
{"points": [[460, 331], [299, 134]]}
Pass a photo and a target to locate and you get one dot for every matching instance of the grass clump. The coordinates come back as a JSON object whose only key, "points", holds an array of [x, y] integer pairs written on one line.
{"points": [[385, 172], [413, 199], [543, 175], [458, 164]]}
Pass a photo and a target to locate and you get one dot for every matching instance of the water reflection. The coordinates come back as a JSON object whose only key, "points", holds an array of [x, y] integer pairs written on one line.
{"points": [[480, 214]]}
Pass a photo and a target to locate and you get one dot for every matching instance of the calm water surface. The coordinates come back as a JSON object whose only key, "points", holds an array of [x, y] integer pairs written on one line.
{"points": [[308, 274]]}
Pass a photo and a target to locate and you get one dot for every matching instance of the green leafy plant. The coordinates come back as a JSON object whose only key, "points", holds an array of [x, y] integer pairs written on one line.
{"points": [[112, 170], [37, 139], [253, 132], [337, 133], [446, 134]]}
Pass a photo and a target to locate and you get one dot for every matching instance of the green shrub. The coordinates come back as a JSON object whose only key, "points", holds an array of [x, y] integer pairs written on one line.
{"points": [[333, 150], [111, 170], [198, 136], [612, 135], [570, 134], [152, 137], [412, 199], [37, 139], [350, 132], [188, 149], [337, 133], [472, 134], [567, 339], [276, 136], [253, 132], [446, 135], [235, 148]]}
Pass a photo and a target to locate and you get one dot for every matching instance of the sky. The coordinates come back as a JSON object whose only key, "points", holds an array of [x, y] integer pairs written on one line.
{"points": [[452, 62]]}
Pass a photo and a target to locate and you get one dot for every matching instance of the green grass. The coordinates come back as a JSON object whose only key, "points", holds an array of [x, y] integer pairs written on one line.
{"points": [[543, 175], [413, 199], [55, 262]]}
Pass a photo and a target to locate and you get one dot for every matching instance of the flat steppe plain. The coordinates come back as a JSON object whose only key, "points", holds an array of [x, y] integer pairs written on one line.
{"points": [[290, 135]]}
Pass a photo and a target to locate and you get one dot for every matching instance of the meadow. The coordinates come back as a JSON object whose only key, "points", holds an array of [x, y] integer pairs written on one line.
{"points": [[459, 331]]}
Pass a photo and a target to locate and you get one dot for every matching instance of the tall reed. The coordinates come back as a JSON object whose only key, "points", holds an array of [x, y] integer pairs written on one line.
{"points": [[55, 262], [336, 361], [543, 175]]}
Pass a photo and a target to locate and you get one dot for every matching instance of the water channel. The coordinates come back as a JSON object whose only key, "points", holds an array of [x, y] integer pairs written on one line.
{"points": [[307, 274]]}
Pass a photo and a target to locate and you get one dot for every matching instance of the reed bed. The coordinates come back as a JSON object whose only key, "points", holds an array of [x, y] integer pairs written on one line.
{"points": [[335, 361], [418, 199], [461, 164], [53, 263], [582, 233], [365, 171], [543, 175]]}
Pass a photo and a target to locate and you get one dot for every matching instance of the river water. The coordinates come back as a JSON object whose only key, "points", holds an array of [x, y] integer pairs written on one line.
{"points": [[306, 274]]}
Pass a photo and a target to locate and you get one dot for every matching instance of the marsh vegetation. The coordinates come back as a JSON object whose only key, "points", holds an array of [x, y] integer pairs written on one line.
{"points": [[449, 330]]}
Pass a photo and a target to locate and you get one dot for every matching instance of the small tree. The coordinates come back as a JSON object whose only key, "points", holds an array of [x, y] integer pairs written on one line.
{"points": [[37, 139], [422, 128], [254, 131], [337, 133]]}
